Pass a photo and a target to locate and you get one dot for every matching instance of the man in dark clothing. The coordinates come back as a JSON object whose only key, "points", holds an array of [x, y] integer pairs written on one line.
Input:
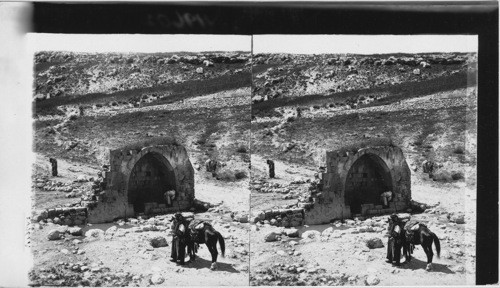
{"points": [[394, 244], [54, 166], [178, 252], [270, 163]]}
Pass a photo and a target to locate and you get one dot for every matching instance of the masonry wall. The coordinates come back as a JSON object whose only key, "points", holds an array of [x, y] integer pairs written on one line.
{"points": [[114, 203], [282, 217], [332, 205], [65, 216]]}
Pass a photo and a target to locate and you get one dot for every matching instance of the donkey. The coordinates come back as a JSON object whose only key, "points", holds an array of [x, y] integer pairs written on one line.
{"points": [[203, 233], [419, 234]]}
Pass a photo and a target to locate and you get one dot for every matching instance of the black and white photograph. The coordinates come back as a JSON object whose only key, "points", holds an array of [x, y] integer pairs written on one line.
{"points": [[363, 160], [261, 143], [141, 160]]}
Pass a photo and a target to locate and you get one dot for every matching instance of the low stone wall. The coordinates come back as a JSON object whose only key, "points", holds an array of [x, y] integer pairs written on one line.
{"points": [[156, 208], [370, 209], [281, 217], [64, 216]]}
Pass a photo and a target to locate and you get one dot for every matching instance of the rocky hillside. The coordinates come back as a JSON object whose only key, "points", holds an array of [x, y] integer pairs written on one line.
{"points": [[285, 75], [86, 103], [305, 105], [61, 74]]}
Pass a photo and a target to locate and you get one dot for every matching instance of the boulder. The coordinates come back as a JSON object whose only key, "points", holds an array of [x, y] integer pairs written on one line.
{"points": [[327, 231], [81, 178], [157, 279], [110, 231], [40, 215], [458, 218], [350, 222], [75, 231], [372, 280], [292, 232], [425, 64], [255, 219], [158, 241], [94, 234], [298, 180], [54, 235], [257, 99], [442, 175], [311, 235], [243, 218], [374, 243], [261, 216], [416, 71], [199, 70], [458, 269], [271, 237]]}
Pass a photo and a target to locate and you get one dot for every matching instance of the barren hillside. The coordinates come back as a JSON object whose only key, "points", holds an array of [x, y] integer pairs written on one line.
{"points": [[87, 104], [305, 105]]}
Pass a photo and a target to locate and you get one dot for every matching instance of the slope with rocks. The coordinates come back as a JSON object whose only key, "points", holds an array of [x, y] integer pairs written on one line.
{"points": [[306, 105], [286, 75], [87, 104]]}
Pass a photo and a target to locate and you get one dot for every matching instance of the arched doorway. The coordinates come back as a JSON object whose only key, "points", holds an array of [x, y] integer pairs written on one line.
{"points": [[150, 178], [367, 178]]}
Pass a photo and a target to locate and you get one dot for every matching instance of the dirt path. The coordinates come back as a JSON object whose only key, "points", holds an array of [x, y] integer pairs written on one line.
{"points": [[128, 251], [340, 257], [126, 255]]}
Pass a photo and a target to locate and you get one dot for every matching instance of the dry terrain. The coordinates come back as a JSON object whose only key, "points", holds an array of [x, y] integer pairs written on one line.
{"points": [[425, 104], [86, 104]]}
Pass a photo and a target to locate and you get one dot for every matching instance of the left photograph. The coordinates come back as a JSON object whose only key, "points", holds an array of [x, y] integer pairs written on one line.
{"points": [[140, 160]]}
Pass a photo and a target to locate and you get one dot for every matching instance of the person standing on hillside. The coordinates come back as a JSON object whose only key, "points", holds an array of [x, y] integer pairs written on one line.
{"points": [[53, 162], [179, 230], [270, 163], [394, 243], [319, 176]]}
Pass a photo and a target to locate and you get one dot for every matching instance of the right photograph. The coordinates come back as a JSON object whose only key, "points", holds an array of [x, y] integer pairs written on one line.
{"points": [[363, 160]]}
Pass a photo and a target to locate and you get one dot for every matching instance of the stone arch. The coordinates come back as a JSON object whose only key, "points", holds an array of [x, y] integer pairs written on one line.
{"points": [[151, 176], [388, 160], [164, 158], [366, 179]]}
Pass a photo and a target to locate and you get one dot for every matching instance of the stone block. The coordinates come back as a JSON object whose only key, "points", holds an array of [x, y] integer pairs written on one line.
{"points": [[364, 209], [377, 207], [51, 213], [268, 215]]}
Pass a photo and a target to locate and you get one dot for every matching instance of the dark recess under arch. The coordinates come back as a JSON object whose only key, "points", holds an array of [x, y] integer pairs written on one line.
{"points": [[150, 178], [367, 178]]}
